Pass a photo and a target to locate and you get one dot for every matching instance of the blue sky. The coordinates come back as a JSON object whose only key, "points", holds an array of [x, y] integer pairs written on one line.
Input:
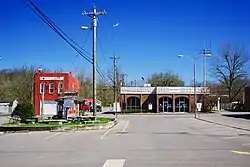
{"points": [[148, 39]]}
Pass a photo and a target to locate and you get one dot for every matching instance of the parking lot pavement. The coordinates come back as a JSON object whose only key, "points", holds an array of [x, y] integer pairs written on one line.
{"points": [[4, 119], [141, 141], [237, 120]]}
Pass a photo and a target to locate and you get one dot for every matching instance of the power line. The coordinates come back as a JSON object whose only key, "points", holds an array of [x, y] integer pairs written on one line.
{"points": [[98, 39], [38, 10], [56, 29]]}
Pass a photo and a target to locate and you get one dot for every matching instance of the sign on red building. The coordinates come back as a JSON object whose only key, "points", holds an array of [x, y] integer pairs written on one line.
{"points": [[55, 85]]}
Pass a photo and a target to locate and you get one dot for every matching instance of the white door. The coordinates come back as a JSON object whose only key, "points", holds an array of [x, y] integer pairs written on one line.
{"points": [[50, 108]]}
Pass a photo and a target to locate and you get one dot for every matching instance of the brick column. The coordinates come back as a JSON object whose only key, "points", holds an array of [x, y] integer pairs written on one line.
{"points": [[173, 105], [125, 101], [157, 104], [141, 102]]}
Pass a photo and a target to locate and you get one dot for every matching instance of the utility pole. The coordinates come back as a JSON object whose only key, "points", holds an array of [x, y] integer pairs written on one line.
{"points": [[42, 107], [205, 53], [115, 82], [123, 79], [94, 16], [195, 98]]}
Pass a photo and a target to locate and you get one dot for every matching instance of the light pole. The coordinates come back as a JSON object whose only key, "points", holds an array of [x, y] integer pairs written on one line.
{"points": [[43, 92], [206, 53], [194, 73]]}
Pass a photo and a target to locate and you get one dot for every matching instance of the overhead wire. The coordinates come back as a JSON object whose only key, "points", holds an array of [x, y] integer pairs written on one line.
{"points": [[103, 54], [38, 10], [46, 21], [56, 29], [84, 43]]}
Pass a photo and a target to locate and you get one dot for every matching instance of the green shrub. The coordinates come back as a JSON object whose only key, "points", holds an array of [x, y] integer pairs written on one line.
{"points": [[24, 111]]}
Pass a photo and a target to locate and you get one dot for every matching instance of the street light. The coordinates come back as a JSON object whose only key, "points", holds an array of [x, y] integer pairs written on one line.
{"points": [[195, 99]]}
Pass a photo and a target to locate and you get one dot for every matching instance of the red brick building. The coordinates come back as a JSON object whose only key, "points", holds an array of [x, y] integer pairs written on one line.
{"points": [[162, 99], [55, 84]]}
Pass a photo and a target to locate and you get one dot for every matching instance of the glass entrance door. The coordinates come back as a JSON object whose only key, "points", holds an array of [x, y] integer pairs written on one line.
{"points": [[181, 106], [166, 106]]}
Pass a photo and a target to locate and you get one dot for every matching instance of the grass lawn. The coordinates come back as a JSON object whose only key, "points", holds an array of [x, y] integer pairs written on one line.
{"points": [[97, 121]]}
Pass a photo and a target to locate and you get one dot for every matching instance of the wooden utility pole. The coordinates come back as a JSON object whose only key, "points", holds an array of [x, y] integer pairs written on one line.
{"points": [[115, 83], [94, 16]]}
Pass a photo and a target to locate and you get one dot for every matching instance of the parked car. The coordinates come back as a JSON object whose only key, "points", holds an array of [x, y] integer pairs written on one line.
{"points": [[89, 107]]}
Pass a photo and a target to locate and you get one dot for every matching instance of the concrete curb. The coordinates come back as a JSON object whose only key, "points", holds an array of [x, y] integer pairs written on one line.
{"points": [[229, 126], [162, 114], [7, 129]]}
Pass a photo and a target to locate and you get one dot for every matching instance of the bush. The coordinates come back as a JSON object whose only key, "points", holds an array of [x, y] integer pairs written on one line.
{"points": [[24, 111]]}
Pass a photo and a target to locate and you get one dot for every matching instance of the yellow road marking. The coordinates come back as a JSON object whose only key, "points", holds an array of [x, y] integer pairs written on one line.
{"points": [[241, 152]]}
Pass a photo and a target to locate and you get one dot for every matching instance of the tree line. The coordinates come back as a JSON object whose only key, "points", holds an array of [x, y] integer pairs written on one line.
{"points": [[17, 84], [230, 71]]}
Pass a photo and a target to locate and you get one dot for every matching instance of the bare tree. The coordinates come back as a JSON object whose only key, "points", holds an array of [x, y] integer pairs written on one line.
{"points": [[230, 68], [85, 85], [17, 84]]}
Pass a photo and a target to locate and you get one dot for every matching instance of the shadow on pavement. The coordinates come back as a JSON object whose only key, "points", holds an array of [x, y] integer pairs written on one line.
{"points": [[244, 116]]}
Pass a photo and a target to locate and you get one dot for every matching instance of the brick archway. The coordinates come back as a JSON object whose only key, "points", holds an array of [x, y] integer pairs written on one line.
{"points": [[182, 104], [165, 104], [133, 102]]}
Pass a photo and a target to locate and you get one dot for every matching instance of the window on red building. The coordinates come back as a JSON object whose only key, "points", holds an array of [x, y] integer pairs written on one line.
{"points": [[51, 88], [60, 88], [42, 87]]}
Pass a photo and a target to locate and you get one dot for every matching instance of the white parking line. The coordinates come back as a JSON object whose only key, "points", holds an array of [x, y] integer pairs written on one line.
{"points": [[123, 130], [102, 137], [114, 163], [51, 136], [230, 137], [246, 144]]}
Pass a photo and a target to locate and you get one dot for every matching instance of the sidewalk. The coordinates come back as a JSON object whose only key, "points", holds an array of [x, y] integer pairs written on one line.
{"points": [[232, 120], [4, 119]]}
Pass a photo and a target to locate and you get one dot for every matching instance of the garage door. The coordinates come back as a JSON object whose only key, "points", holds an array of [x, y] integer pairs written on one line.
{"points": [[50, 108]]}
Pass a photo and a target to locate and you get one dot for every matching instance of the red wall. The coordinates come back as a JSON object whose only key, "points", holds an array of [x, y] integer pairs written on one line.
{"points": [[69, 84]]}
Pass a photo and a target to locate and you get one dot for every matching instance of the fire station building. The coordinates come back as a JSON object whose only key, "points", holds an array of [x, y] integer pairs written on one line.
{"points": [[53, 84], [160, 99]]}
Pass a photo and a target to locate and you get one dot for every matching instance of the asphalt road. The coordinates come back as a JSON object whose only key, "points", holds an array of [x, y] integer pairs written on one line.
{"points": [[137, 141]]}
